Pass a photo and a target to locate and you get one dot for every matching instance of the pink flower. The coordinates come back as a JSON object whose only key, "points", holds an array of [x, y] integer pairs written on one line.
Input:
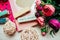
{"points": [[54, 23], [48, 10], [38, 2], [40, 21], [43, 33], [39, 8]]}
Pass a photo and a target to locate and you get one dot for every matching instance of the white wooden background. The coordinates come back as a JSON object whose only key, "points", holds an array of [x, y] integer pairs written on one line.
{"points": [[16, 36]]}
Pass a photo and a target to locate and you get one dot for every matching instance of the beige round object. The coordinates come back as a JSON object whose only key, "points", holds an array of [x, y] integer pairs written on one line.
{"points": [[9, 28], [29, 34]]}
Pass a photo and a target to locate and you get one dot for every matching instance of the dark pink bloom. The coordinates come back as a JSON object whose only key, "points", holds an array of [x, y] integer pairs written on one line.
{"points": [[59, 24], [39, 7], [54, 24]]}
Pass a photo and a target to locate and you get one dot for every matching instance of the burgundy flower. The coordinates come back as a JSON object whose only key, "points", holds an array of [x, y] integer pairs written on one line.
{"points": [[39, 8]]}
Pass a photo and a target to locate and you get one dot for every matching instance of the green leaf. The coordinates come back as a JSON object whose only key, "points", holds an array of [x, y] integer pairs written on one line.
{"points": [[40, 12], [51, 33]]}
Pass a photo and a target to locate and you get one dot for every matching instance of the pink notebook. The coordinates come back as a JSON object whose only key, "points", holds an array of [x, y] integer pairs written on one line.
{"points": [[6, 6]]}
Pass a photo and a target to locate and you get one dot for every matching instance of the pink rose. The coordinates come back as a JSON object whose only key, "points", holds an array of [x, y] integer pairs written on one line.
{"points": [[40, 21], [48, 10], [38, 2]]}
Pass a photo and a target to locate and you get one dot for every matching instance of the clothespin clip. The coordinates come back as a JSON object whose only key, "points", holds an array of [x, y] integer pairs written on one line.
{"points": [[3, 20], [3, 13]]}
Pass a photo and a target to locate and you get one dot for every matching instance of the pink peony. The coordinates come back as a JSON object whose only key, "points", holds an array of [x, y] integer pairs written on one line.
{"points": [[54, 23], [48, 10], [38, 2]]}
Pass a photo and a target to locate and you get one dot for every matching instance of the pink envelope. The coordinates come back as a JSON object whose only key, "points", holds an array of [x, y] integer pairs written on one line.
{"points": [[27, 24]]}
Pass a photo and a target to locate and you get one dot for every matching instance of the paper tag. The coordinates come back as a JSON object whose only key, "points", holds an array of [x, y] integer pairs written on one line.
{"points": [[25, 19]]}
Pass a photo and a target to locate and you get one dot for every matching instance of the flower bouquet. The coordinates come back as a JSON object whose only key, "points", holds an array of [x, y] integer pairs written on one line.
{"points": [[48, 13]]}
